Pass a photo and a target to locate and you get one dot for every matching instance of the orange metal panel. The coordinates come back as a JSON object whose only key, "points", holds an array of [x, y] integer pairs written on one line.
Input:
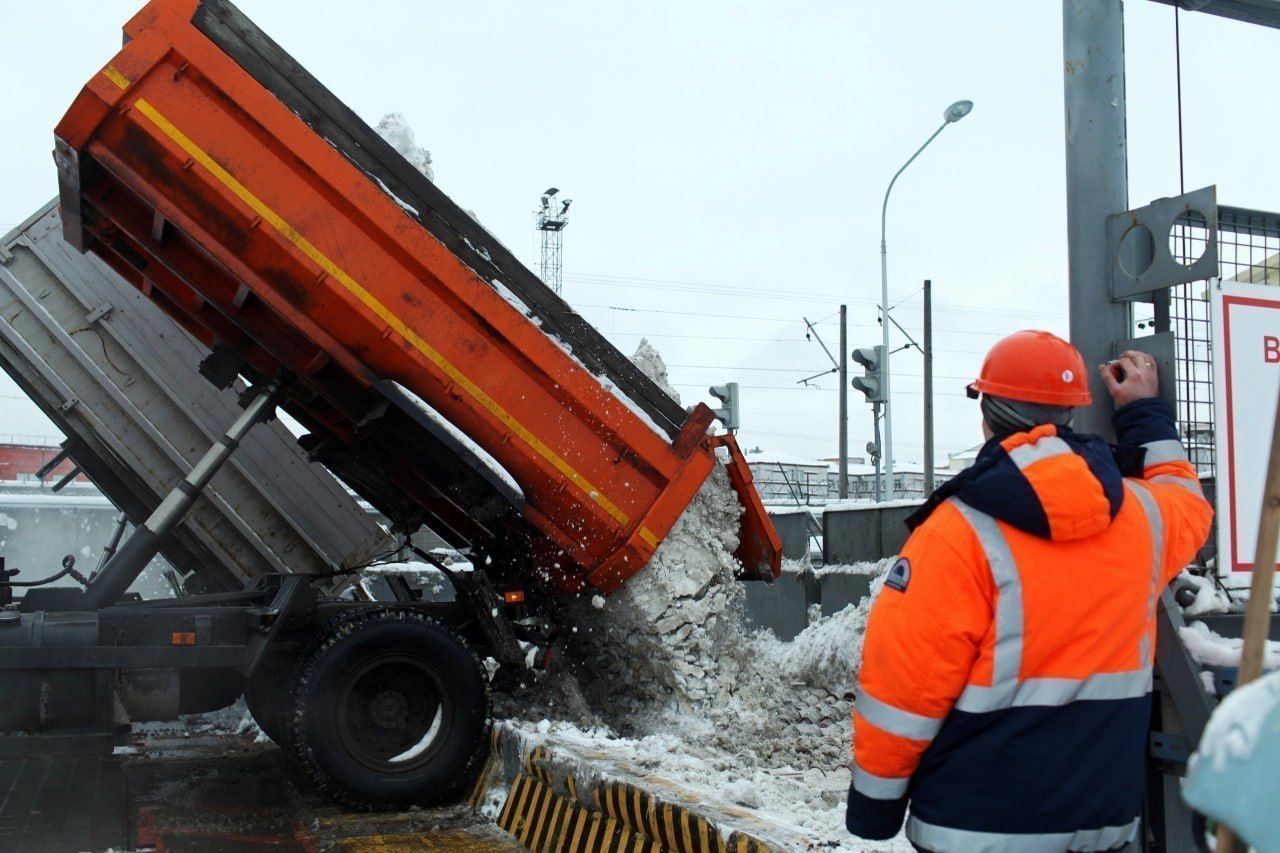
{"points": [[187, 174]]}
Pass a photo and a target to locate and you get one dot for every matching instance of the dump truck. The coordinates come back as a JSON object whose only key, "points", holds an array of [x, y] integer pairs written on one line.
{"points": [[432, 372]]}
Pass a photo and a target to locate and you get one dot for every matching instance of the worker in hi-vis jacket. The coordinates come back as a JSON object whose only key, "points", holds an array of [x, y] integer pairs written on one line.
{"points": [[1005, 688]]}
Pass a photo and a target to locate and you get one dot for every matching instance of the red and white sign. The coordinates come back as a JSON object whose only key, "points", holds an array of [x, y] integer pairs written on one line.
{"points": [[1246, 357]]}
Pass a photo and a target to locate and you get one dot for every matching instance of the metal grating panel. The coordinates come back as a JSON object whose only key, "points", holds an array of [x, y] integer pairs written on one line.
{"points": [[1249, 251]]}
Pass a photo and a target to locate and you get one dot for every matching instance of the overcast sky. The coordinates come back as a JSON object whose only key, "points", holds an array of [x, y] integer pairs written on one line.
{"points": [[727, 162]]}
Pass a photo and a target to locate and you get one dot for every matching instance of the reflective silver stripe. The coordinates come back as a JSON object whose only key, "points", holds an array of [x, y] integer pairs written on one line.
{"points": [[879, 787], [1167, 450], [1055, 692], [1152, 511], [1192, 486], [945, 838], [896, 721], [1046, 447], [1007, 652]]}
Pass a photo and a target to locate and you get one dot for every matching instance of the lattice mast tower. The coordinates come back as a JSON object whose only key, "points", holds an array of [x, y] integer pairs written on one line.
{"points": [[550, 220]]}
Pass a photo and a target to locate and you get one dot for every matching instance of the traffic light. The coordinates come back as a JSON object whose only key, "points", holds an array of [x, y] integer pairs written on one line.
{"points": [[728, 394], [872, 360]]}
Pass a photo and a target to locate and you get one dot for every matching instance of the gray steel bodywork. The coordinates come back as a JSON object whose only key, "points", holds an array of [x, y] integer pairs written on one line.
{"points": [[121, 380]]}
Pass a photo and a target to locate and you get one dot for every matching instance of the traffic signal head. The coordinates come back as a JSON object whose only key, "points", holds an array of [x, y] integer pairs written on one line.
{"points": [[730, 414], [869, 383]]}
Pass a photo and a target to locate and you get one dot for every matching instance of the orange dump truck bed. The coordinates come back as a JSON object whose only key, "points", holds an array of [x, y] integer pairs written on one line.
{"points": [[433, 371]]}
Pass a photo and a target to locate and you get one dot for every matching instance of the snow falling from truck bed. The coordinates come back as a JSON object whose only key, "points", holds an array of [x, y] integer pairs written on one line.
{"points": [[668, 675]]}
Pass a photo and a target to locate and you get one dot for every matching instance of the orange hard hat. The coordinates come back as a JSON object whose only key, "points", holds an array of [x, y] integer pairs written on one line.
{"points": [[1035, 367]]}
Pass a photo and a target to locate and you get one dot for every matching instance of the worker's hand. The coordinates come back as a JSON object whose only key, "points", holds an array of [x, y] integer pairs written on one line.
{"points": [[1132, 376]]}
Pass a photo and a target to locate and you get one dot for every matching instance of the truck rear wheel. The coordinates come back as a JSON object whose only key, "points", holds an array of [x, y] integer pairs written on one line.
{"points": [[390, 710]]}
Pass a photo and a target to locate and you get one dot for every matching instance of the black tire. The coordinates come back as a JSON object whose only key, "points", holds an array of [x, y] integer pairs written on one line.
{"points": [[269, 697], [390, 710]]}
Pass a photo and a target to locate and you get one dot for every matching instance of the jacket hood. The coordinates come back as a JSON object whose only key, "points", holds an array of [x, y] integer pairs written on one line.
{"points": [[1049, 482]]}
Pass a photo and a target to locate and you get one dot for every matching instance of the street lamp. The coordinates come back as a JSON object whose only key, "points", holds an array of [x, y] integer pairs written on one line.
{"points": [[953, 114]]}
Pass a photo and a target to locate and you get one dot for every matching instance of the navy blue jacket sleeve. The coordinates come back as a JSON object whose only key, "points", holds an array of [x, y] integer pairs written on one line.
{"points": [[1144, 421], [874, 820]]}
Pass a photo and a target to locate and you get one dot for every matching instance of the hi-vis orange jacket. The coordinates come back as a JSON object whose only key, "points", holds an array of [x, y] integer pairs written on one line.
{"points": [[1005, 685]]}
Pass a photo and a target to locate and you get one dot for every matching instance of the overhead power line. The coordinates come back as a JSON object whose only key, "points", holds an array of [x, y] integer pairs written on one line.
{"points": [[627, 309], [745, 292]]}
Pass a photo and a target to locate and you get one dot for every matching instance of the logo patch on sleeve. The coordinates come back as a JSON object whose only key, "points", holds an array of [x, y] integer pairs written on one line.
{"points": [[899, 575]]}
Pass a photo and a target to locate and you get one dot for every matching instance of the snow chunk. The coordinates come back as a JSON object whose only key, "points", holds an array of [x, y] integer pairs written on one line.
{"points": [[8, 522], [397, 132], [650, 362], [1209, 598], [1211, 649]]}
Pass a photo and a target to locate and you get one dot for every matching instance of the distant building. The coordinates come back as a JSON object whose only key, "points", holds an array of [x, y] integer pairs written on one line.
{"points": [[784, 479], [22, 457], [862, 478], [800, 481]]}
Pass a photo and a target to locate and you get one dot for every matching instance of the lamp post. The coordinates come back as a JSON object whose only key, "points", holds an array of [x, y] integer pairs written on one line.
{"points": [[953, 114]]}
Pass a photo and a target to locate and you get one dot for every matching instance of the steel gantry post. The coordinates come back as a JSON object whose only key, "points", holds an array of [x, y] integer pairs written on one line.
{"points": [[843, 469], [1097, 185]]}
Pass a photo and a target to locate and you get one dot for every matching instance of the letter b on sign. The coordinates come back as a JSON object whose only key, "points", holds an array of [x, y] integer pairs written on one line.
{"points": [[1271, 349]]}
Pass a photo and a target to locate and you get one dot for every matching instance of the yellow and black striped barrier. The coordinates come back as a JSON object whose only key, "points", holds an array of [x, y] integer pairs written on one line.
{"points": [[546, 810]]}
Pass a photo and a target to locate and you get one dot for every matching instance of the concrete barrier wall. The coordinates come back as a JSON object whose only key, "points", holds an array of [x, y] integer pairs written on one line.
{"points": [[864, 533], [783, 606], [793, 530]]}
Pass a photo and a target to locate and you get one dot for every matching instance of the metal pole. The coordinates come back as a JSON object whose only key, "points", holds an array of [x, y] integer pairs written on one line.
{"points": [[1097, 185], [875, 425], [145, 542], [928, 387], [122, 521], [843, 490], [887, 451]]}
